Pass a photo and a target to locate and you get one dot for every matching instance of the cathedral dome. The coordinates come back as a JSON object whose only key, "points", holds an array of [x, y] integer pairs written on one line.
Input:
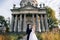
{"points": [[25, 2]]}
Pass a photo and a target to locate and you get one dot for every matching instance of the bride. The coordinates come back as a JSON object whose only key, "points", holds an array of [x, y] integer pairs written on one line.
{"points": [[32, 34]]}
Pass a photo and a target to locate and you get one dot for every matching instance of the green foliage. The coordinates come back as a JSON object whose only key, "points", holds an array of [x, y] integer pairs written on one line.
{"points": [[11, 36], [4, 23], [39, 36], [2, 19], [52, 21], [16, 36], [7, 29], [48, 36]]}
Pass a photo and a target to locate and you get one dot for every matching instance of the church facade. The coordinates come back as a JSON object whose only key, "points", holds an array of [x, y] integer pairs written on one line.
{"points": [[28, 14]]}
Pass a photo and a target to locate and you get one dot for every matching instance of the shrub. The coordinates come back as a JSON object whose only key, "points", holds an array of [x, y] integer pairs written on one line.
{"points": [[48, 36]]}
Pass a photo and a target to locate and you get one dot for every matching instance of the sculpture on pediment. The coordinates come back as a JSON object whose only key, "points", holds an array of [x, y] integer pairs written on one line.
{"points": [[25, 2]]}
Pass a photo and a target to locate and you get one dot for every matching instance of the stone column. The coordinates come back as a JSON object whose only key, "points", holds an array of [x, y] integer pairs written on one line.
{"points": [[20, 23], [46, 23], [15, 25], [42, 24], [12, 24], [24, 24], [33, 19], [37, 23], [39, 26]]}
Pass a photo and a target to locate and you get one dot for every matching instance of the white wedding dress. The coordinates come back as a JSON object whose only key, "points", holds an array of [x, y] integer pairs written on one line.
{"points": [[33, 36]]}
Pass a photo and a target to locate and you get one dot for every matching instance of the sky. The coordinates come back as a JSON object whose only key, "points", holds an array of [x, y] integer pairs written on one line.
{"points": [[6, 5]]}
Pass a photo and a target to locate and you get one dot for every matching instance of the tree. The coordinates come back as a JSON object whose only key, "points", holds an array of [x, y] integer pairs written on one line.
{"points": [[52, 21], [3, 22]]}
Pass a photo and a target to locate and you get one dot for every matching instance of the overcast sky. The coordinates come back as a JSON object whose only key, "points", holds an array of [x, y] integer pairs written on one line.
{"points": [[6, 5]]}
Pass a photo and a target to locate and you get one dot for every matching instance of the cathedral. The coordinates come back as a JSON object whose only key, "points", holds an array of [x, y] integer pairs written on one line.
{"points": [[28, 14]]}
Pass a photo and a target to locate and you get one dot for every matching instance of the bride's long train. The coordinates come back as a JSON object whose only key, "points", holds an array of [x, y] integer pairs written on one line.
{"points": [[33, 36]]}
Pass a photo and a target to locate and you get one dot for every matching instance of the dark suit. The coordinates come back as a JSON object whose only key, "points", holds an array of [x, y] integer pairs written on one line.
{"points": [[28, 31]]}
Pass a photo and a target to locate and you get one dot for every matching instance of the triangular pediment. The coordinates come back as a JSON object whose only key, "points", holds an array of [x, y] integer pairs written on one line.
{"points": [[29, 7]]}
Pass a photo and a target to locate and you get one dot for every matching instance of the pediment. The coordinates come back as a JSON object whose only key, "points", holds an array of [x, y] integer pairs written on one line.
{"points": [[29, 8]]}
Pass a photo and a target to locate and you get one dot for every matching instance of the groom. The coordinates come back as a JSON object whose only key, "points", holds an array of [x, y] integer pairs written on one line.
{"points": [[28, 31]]}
